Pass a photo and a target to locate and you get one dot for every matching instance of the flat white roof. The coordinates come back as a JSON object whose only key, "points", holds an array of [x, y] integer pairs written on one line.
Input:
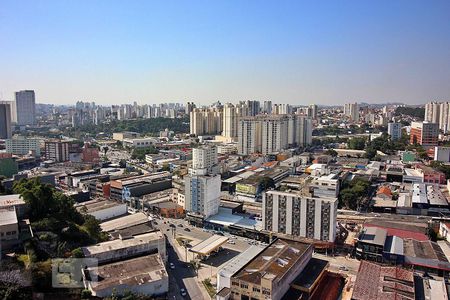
{"points": [[124, 222], [419, 194], [11, 200], [207, 246], [8, 217], [232, 266], [122, 244]]}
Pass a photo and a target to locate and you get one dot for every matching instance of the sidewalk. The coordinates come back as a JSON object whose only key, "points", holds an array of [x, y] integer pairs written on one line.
{"points": [[181, 252]]}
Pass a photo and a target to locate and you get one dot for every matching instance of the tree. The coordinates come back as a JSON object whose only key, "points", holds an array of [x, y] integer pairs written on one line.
{"points": [[266, 183], [357, 143], [331, 152]]}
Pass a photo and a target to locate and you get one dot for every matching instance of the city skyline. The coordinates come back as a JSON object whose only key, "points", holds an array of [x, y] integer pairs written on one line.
{"points": [[296, 53]]}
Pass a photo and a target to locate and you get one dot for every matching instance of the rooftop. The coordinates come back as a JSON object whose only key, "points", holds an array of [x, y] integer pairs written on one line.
{"points": [[310, 273], [122, 244], [8, 216], [423, 249], [373, 235], [210, 244], [124, 222], [97, 204], [274, 262], [380, 282], [232, 266], [11, 200], [131, 272], [400, 230]]}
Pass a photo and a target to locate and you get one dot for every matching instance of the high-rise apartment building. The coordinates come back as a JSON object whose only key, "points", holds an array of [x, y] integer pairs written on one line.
{"points": [[189, 107], [57, 151], [395, 130], [5, 120], [206, 121], [312, 111], [272, 133], [25, 108], [202, 185], [281, 109], [298, 215], [204, 159], [351, 110], [424, 133], [254, 107], [432, 112], [267, 107], [444, 116], [249, 136], [231, 116]]}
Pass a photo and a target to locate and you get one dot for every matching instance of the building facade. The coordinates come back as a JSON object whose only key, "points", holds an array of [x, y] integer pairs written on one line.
{"points": [[57, 151], [5, 120], [25, 108], [268, 134], [22, 146], [424, 133], [351, 110], [298, 215], [395, 130]]}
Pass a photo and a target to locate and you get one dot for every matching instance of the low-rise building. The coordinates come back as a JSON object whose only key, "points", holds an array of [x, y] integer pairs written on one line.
{"points": [[144, 275], [20, 145], [138, 186], [270, 274], [9, 228], [370, 243], [14, 201], [103, 209], [138, 142], [120, 136], [376, 282], [120, 249]]}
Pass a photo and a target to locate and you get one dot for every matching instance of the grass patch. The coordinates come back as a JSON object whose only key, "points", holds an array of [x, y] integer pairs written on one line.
{"points": [[209, 287]]}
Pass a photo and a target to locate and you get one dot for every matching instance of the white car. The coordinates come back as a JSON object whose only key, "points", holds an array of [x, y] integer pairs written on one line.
{"points": [[231, 242], [172, 266], [183, 292]]}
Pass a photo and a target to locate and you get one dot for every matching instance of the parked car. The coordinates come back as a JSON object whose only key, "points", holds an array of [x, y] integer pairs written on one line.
{"points": [[187, 229], [180, 225]]}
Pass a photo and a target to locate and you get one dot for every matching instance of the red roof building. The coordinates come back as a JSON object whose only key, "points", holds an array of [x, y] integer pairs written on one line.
{"points": [[384, 283]]}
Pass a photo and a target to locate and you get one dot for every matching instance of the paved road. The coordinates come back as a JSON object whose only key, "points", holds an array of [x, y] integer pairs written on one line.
{"points": [[183, 276]]}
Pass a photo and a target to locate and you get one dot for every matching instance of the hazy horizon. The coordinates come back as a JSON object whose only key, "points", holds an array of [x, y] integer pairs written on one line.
{"points": [[114, 52]]}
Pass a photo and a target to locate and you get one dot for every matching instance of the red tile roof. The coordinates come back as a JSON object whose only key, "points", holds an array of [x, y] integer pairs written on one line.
{"points": [[381, 282], [404, 234]]}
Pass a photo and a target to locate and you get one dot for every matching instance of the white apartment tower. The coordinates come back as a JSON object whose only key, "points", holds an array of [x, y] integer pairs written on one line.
{"points": [[395, 130], [249, 136], [272, 133], [432, 110], [351, 110], [204, 159], [202, 185], [298, 215], [206, 121], [25, 108]]}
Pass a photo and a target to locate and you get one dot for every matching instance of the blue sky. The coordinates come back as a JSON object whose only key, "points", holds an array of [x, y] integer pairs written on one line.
{"points": [[329, 52]]}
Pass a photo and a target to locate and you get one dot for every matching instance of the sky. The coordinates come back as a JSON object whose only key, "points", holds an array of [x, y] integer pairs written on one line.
{"points": [[297, 52]]}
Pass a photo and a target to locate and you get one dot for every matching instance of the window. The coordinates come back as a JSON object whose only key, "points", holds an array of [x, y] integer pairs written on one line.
{"points": [[256, 289]]}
